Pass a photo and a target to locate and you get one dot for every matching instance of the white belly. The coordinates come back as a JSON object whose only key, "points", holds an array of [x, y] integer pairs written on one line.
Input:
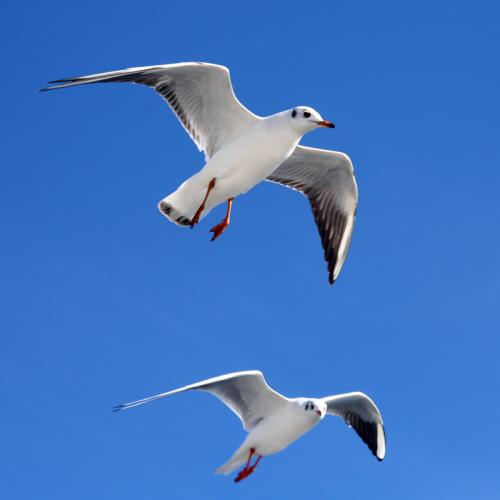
{"points": [[236, 168], [273, 436]]}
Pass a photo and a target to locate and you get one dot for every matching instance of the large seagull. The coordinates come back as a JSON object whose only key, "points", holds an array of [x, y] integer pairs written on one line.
{"points": [[274, 421], [242, 149]]}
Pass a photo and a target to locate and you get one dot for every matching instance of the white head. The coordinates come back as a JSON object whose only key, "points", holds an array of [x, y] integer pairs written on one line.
{"points": [[304, 119], [315, 409]]}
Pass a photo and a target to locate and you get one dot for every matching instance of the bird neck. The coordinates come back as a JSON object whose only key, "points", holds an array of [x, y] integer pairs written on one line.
{"points": [[282, 128]]}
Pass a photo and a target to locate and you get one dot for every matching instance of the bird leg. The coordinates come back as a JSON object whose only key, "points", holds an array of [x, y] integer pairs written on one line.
{"points": [[198, 213], [248, 469], [221, 227]]}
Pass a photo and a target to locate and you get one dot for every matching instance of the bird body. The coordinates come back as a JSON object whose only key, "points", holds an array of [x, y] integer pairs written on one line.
{"points": [[271, 436], [237, 167]]}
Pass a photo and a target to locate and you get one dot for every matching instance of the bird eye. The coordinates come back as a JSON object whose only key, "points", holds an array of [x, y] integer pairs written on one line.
{"points": [[307, 114], [294, 113]]}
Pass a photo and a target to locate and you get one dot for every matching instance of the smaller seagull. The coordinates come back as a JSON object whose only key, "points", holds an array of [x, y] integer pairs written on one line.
{"points": [[274, 421], [242, 149]]}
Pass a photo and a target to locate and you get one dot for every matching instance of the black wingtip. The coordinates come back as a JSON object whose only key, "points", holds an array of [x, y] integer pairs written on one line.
{"points": [[58, 84], [118, 408], [64, 80], [55, 82]]}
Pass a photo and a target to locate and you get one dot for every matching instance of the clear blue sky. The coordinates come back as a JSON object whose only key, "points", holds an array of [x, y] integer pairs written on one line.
{"points": [[103, 301]]}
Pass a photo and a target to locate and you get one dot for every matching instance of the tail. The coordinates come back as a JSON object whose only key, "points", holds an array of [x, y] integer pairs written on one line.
{"points": [[173, 214], [181, 206], [239, 458]]}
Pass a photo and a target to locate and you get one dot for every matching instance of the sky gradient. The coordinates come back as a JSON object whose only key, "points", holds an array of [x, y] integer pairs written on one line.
{"points": [[102, 301]]}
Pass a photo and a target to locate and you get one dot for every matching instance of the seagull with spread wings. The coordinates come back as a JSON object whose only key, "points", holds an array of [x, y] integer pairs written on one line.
{"points": [[242, 149], [274, 421]]}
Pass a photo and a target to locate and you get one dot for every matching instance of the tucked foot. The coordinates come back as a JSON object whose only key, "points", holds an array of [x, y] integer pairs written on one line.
{"points": [[248, 470], [218, 229], [243, 474], [198, 213], [197, 216]]}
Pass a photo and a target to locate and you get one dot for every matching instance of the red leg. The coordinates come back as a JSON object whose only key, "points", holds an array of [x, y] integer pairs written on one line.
{"points": [[198, 213], [256, 463], [250, 455], [244, 472], [248, 470], [221, 227]]}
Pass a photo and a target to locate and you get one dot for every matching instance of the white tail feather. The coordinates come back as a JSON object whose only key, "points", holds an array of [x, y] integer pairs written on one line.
{"points": [[238, 459]]}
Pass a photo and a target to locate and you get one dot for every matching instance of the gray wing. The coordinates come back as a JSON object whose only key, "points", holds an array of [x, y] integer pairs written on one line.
{"points": [[360, 413], [200, 94], [327, 179], [245, 393]]}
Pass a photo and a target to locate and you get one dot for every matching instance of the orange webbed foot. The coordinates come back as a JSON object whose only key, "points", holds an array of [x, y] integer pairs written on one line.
{"points": [[243, 474], [221, 227], [218, 229]]}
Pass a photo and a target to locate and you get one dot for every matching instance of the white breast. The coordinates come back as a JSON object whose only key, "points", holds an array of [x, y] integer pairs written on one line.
{"points": [[249, 159], [279, 431], [238, 166]]}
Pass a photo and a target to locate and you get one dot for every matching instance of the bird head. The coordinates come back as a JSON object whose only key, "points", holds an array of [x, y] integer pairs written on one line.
{"points": [[305, 119], [314, 408]]}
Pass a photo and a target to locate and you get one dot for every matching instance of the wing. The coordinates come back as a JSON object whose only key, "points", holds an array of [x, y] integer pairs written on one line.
{"points": [[327, 179], [245, 393], [360, 413], [200, 94]]}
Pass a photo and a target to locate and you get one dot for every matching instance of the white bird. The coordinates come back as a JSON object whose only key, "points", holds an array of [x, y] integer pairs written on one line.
{"points": [[274, 421], [242, 149]]}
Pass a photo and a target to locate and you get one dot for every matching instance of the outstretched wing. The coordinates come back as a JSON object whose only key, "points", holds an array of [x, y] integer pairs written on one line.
{"points": [[200, 94], [327, 179], [360, 413], [245, 393]]}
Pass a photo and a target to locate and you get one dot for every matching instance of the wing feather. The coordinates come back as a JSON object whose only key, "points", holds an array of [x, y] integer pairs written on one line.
{"points": [[326, 178], [360, 413], [200, 94], [245, 393]]}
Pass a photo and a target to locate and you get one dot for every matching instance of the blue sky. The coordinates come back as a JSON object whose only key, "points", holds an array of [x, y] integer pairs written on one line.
{"points": [[102, 301]]}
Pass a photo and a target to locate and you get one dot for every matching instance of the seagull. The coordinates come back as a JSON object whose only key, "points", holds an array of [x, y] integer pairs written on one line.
{"points": [[274, 421], [242, 149]]}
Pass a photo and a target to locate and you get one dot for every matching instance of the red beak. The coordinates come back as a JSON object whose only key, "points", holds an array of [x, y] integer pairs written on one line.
{"points": [[318, 412], [326, 123]]}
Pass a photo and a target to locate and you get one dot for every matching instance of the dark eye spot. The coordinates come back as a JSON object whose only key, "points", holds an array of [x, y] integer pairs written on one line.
{"points": [[307, 114], [294, 113]]}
